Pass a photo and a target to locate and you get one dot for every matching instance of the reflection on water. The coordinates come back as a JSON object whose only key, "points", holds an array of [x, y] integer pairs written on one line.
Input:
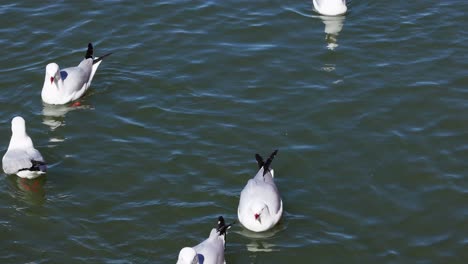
{"points": [[54, 115], [333, 26], [30, 191], [259, 241], [329, 67], [261, 246]]}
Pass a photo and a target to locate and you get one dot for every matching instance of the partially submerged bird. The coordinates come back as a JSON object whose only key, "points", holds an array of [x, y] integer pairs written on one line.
{"points": [[210, 251], [260, 205], [330, 7], [21, 157], [69, 84]]}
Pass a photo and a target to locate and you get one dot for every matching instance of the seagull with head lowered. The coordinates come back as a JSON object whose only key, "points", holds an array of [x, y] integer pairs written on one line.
{"points": [[21, 157], [260, 205], [330, 7], [69, 84], [210, 251]]}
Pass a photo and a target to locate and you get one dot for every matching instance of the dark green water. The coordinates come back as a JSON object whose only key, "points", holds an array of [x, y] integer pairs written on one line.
{"points": [[370, 124]]}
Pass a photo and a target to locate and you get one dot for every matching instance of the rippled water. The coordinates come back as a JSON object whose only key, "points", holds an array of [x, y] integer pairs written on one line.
{"points": [[367, 111]]}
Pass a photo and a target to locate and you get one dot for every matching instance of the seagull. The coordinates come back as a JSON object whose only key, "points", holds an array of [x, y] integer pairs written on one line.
{"points": [[260, 205], [69, 84], [210, 251], [21, 157], [330, 7]]}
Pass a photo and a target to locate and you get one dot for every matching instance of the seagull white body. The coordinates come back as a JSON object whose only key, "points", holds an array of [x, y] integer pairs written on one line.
{"points": [[21, 157], [210, 251], [330, 7], [260, 205], [69, 84]]}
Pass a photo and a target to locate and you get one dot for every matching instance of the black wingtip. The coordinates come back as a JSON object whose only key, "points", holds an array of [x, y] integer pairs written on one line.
{"points": [[39, 166], [222, 227], [89, 52], [266, 166], [100, 58], [260, 161], [36, 166], [220, 221]]}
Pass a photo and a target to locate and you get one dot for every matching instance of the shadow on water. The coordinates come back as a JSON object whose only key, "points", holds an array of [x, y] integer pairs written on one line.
{"points": [[29, 191]]}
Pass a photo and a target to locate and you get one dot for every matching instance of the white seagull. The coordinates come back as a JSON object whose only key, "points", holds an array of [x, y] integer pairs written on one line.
{"points": [[260, 205], [330, 7], [210, 251], [21, 157], [69, 84]]}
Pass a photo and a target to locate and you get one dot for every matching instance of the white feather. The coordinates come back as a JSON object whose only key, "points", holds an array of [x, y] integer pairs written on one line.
{"points": [[330, 7]]}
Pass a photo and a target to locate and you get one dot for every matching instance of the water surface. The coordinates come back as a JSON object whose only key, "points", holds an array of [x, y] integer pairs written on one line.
{"points": [[367, 111]]}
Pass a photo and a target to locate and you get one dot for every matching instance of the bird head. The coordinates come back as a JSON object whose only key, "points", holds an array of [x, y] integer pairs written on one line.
{"points": [[18, 125], [52, 72]]}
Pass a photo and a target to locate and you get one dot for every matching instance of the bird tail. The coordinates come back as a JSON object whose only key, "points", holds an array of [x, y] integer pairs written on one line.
{"points": [[90, 52], [96, 61], [222, 227], [265, 164]]}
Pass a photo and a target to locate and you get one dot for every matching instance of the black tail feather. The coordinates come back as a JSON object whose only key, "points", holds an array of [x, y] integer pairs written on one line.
{"points": [[267, 163]]}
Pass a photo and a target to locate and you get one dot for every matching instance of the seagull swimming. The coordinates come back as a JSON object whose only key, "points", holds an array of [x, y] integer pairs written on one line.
{"points": [[260, 204], [210, 251], [69, 84], [21, 157], [330, 7]]}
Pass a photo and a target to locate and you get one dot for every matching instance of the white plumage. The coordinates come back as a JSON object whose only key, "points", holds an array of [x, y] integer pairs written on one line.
{"points": [[21, 157], [260, 205], [210, 251], [69, 84], [330, 7]]}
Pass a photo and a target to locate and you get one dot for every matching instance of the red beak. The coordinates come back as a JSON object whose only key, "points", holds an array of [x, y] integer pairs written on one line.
{"points": [[257, 216], [51, 80]]}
